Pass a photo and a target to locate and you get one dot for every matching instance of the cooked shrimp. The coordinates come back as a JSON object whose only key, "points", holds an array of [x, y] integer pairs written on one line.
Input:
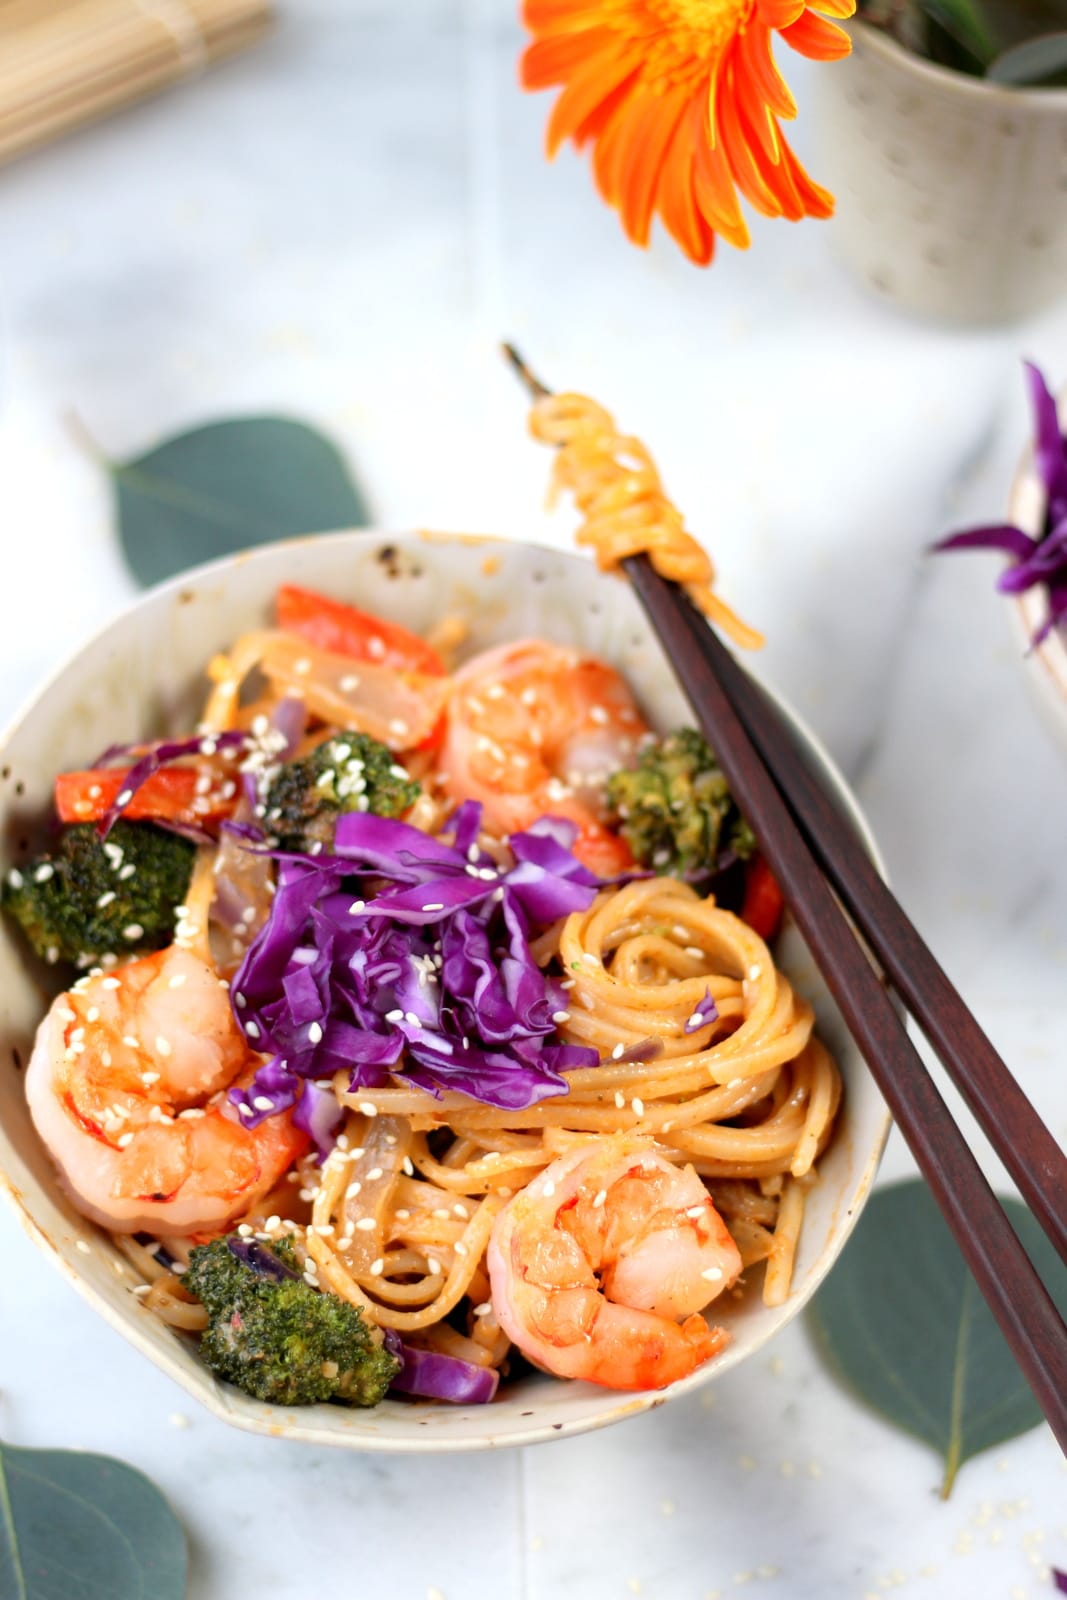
{"points": [[601, 1266], [536, 729], [126, 1089]]}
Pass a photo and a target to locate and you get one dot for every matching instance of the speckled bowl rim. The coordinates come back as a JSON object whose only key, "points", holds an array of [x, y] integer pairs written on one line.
{"points": [[1000, 96], [277, 1422]]}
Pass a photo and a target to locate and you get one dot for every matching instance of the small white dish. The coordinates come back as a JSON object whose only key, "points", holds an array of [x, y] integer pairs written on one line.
{"points": [[142, 676]]}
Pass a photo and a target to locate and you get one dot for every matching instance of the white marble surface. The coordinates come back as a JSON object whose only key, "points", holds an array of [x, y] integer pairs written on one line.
{"points": [[341, 226]]}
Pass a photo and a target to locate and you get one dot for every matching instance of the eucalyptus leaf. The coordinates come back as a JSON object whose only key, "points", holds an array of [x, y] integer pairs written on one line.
{"points": [[226, 487], [1032, 63], [902, 1323], [85, 1527]]}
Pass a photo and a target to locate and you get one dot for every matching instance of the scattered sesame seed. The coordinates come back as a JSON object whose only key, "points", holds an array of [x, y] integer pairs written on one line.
{"points": [[434, 1266], [177, 980], [368, 1108], [399, 728], [314, 1032], [483, 1309], [620, 1099], [44, 872], [239, 1000], [133, 932], [402, 1215], [549, 1189], [618, 1052], [712, 1274], [243, 1110], [408, 1169], [754, 971], [163, 1046], [80, 1244], [262, 1102], [599, 1198], [377, 1268], [460, 1211], [123, 1140], [127, 872], [435, 906], [374, 1174], [637, 1106], [366, 1224], [357, 907], [562, 1016], [696, 1211], [124, 797]]}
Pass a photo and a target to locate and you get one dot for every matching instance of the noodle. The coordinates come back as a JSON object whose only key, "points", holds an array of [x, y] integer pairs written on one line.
{"points": [[617, 489]]}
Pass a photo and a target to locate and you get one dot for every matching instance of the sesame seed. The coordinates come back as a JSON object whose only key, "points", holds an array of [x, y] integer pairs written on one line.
{"points": [[696, 1211], [599, 1198], [127, 872], [483, 1309], [349, 682], [124, 797], [374, 1174], [637, 1106], [434, 1266], [44, 872], [368, 1108], [408, 1169], [599, 715], [123, 1140], [561, 1016], [460, 1211], [620, 1099], [352, 1190], [377, 1268], [412, 1020], [460, 1248], [366, 1224], [696, 1020], [399, 728], [243, 1110], [149, 1078], [80, 1244], [314, 1032], [549, 1189], [712, 1274], [262, 1102], [177, 980], [93, 1014], [111, 983], [435, 906], [239, 1000], [356, 907], [163, 1047], [618, 1052], [133, 932], [128, 1039], [754, 971], [402, 1216]]}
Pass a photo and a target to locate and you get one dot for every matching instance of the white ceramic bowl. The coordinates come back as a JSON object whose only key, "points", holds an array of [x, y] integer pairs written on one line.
{"points": [[143, 676], [1046, 667]]}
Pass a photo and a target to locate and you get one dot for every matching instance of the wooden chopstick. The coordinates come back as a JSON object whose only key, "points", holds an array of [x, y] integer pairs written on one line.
{"points": [[1023, 1142], [1004, 1273], [1001, 1268]]}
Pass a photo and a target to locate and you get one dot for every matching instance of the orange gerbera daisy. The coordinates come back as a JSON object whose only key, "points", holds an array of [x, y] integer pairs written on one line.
{"points": [[681, 101]]}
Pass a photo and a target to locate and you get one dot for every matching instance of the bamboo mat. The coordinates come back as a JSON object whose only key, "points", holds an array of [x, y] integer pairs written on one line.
{"points": [[65, 62]]}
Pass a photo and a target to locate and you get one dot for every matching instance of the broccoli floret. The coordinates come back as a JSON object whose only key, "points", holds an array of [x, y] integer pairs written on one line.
{"points": [[351, 772], [675, 809], [275, 1337], [82, 899]]}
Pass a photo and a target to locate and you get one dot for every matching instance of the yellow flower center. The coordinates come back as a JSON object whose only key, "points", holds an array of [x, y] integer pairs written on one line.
{"points": [[681, 40]]}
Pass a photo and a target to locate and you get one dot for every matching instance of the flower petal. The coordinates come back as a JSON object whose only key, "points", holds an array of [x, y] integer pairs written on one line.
{"points": [[649, 132], [677, 201], [834, 8], [1050, 449], [714, 186], [756, 64], [820, 40], [779, 13], [587, 90], [1002, 536]]}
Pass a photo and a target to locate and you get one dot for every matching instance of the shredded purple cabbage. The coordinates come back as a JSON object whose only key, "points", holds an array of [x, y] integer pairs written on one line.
{"points": [[1059, 1580], [158, 756], [260, 1258], [440, 1377], [402, 945], [1042, 560], [707, 1011]]}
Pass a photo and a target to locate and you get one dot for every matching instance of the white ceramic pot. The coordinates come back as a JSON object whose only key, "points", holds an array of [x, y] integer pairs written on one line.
{"points": [[143, 675], [951, 192]]}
